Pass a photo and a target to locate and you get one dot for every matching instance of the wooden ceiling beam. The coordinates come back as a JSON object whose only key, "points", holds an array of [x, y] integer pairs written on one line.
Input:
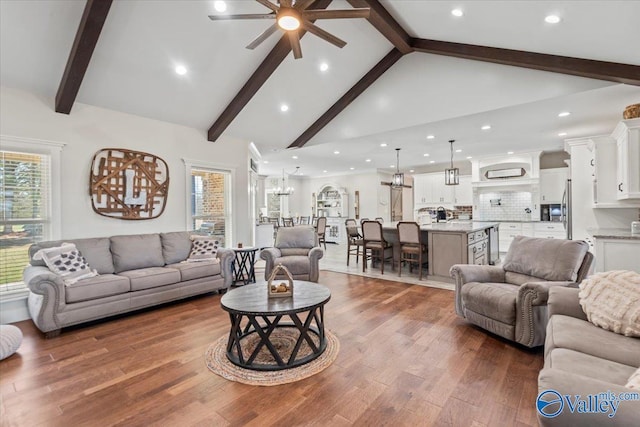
{"points": [[601, 70], [257, 79], [93, 19], [346, 99], [382, 20]]}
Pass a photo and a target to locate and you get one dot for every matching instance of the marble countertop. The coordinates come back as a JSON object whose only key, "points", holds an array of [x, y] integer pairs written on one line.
{"points": [[613, 233], [454, 227]]}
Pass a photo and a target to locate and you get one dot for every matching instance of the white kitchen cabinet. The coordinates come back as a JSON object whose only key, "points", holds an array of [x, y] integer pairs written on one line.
{"points": [[464, 192], [552, 185], [430, 190], [420, 184], [627, 136], [509, 230], [549, 230], [617, 254]]}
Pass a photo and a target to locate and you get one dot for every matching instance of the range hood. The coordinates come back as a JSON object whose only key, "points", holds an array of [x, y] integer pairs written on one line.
{"points": [[522, 169], [505, 173]]}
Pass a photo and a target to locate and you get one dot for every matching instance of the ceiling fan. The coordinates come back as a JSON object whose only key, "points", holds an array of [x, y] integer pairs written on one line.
{"points": [[292, 16]]}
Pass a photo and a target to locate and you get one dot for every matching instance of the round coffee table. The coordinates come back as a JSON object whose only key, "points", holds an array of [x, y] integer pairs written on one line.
{"points": [[256, 321]]}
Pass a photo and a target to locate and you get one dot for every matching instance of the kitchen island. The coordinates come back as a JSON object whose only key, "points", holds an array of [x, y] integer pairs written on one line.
{"points": [[616, 249], [450, 243]]}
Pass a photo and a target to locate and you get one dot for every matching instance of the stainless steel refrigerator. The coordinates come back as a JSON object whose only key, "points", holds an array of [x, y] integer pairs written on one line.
{"points": [[567, 220]]}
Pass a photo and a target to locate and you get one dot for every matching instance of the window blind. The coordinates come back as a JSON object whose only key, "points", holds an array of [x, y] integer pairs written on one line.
{"points": [[25, 204]]}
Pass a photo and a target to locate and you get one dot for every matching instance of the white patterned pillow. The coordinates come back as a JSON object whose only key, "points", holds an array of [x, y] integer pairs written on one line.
{"points": [[611, 300], [634, 380], [66, 261], [203, 248]]}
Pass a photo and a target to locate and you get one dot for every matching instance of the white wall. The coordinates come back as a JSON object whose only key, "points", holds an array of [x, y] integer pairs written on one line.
{"points": [[88, 129]]}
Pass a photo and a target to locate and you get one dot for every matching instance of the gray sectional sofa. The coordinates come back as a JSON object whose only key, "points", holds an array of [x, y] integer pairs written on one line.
{"points": [[581, 359], [135, 271]]}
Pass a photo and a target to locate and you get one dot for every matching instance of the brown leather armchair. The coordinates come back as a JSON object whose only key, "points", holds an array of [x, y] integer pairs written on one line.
{"points": [[510, 300]]}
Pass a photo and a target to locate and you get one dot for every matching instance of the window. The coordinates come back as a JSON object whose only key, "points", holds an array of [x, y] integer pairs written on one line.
{"points": [[210, 202], [25, 200]]}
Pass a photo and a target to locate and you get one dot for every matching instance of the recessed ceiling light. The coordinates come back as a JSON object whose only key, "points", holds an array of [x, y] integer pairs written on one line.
{"points": [[564, 114], [562, 134], [552, 19], [509, 152], [432, 161], [469, 157], [181, 70], [351, 168], [486, 127], [294, 157], [284, 107], [265, 162], [430, 136], [425, 155], [324, 66], [458, 151], [336, 152], [457, 12], [392, 166], [324, 171], [384, 144], [368, 160], [220, 6], [411, 170]]}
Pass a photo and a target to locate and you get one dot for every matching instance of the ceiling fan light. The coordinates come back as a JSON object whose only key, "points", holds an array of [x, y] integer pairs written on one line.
{"points": [[288, 22]]}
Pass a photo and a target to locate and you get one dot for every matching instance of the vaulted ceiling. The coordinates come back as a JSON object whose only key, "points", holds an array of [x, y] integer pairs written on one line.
{"points": [[380, 88]]}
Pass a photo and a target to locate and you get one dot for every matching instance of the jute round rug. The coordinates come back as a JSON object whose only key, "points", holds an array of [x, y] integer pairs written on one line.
{"points": [[217, 361]]}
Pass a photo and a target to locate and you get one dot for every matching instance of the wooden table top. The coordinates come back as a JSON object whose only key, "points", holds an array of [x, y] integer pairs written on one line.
{"points": [[253, 299]]}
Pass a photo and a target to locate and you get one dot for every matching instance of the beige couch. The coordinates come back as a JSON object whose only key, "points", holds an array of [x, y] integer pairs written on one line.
{"points": [[135, 271], [583, 359]]}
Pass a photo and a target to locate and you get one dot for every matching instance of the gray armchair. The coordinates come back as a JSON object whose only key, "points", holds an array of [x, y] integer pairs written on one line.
{"points": [[511, 300], [297, 249]]}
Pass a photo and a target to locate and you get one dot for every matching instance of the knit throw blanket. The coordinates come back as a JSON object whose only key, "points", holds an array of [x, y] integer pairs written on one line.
{"points": [[611, 300]]}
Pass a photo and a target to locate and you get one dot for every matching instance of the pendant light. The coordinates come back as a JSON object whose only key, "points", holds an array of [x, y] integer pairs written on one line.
{"points": [[452, 175], [284, 191], [398, 178]]}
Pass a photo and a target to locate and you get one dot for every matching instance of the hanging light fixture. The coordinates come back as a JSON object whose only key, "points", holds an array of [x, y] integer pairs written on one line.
{"points": [[284, 191], [398, 178], [452, 175]]}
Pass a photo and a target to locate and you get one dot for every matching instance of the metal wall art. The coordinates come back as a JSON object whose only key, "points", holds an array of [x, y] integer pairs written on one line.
{"points": [[128, 184]]}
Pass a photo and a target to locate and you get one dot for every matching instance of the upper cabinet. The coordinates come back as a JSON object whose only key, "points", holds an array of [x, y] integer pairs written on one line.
{"points": [[430, 190], [552, 185], [627, 137]]}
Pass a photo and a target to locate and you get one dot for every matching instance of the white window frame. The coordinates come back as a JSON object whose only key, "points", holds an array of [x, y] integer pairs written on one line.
{"points": [[230, 203], [52, 149]]}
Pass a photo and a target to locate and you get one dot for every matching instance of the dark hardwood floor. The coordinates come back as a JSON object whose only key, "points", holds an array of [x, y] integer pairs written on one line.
{"points": [[405, 359]]}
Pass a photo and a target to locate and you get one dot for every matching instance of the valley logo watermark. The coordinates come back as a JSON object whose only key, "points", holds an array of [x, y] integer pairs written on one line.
{"points": [[550, 403]]}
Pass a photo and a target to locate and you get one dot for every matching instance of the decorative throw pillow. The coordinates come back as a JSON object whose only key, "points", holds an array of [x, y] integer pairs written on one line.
{"points": [[203, 248], [611, 300], [66, 261], [634, 380]]}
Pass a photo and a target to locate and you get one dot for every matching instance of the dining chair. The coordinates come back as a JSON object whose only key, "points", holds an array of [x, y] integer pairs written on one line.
{"points": [[304, 220], [412, 250], [354, 239], [287, 222], [321, 229], [373, 240], [380, 219]]}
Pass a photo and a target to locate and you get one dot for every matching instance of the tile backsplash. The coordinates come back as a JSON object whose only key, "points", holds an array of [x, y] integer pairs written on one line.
{"points": [[513, 206]]}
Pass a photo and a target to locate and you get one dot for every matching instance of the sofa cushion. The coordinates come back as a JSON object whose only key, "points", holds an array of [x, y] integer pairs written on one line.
{"points": [[203, 248], [588, 365], [136, 251], [611, 300], [548, 259], [296, 264], [152, 277], [175, 246], [294, 251], [67, 262], [95, 250], [296, 237], [579, 335], [494, 300], [97, 287], [196, 270]]}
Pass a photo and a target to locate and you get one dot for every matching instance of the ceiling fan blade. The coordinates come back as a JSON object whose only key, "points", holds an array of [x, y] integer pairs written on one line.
{"points": [[303, 4], [294, 40], [262, 37], [285, 3], [267, 3], [243, 16], [337, 14], [313, 29]]}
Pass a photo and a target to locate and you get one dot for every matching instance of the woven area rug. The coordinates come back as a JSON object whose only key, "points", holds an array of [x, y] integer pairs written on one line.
{"points": [[217, 362]]}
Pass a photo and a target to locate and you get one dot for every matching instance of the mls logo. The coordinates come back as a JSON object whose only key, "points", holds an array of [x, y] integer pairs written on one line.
{"points": [[549, 403]]}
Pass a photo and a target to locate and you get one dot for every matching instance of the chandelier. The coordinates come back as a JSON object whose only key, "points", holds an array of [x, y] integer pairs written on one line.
{"points": [[452, 175], [398, 178], [286, 190]]}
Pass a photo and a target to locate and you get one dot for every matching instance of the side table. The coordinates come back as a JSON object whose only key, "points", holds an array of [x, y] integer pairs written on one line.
{"points": [[243, 265]]}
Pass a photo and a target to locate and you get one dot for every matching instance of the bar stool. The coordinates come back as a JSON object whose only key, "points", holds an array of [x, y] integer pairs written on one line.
{"points": [[411, 247], [374, 241], [354, 239]]}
